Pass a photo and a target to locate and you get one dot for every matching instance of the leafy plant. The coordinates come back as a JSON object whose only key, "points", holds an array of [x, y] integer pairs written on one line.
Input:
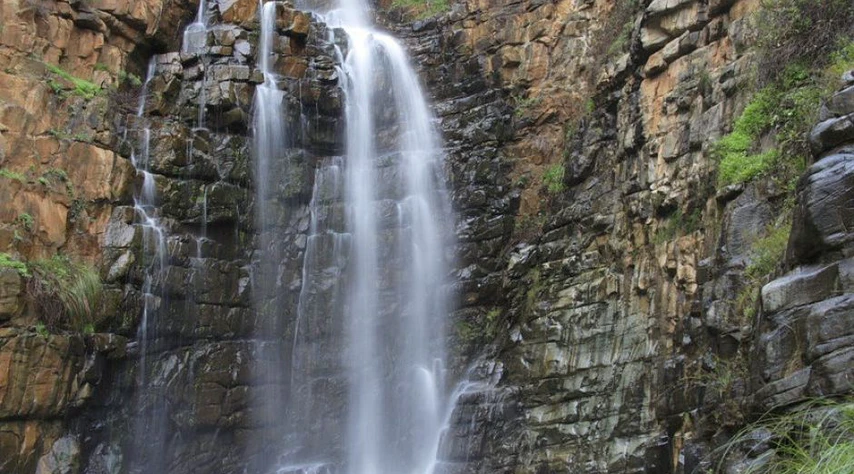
{"points": [[7, 261], [82, 87]]}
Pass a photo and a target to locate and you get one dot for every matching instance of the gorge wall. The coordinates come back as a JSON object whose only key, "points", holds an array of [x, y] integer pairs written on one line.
{"points": [[598, 265]]}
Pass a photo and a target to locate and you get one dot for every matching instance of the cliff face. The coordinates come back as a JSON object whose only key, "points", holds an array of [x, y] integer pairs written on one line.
{"points": [[62, 175], [598, 266], [608, 294]]}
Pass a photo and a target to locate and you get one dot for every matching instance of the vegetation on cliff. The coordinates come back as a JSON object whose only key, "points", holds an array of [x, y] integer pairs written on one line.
{"points": [[804, 47], [80, 87], [67, 293], [421, 9], [8, 261], [816, 439]]}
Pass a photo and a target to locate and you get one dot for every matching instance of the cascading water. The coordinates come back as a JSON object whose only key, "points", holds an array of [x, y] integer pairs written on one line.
{"points": [[270, 140], [380, 268], [150, 416], [195, 42], [395, 352], [195, 35]]}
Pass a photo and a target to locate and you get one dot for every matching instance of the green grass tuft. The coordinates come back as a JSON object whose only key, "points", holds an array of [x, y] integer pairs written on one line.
{"points": [[68, 293], [678, 223], [767, 253], [421, 9], [553, 179], [815, 439], [741, 167]]}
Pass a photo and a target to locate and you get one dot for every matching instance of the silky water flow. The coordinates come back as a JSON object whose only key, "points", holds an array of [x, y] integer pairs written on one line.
{"points": [[375, 264]]}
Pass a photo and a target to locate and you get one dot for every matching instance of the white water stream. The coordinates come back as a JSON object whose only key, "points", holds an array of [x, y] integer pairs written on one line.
{"points": [[389, 259]]}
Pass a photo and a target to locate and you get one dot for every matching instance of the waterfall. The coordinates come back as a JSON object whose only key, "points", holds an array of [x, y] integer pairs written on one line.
{"points": [[395, 356], [150, 416], [379, 271], [195, 35], [195, 41], [270, 141]]}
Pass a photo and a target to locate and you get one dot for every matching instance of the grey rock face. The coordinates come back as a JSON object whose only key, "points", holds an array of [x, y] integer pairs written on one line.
{"points": [[824, 210], [63, 458]]}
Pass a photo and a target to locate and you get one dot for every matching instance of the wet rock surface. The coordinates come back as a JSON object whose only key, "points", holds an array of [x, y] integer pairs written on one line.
{"points": [[620, 339], [595, 338]]}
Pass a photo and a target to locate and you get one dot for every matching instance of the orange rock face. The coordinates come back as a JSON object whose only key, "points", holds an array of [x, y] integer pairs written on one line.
{"points": [[240, 12], [60, 177]]}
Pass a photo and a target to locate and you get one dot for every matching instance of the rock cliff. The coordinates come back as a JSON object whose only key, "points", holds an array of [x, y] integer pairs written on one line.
{"points": [[600, 270]]}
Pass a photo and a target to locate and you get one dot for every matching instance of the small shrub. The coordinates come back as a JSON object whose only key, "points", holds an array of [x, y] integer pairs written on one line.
{"points": [[130, 78], [68, 294], [523, 104], [787, 109], [56, 174], [553, 179], [8, 174], [7, 261], [41, 330], [605, 44], [841, 61], [76, 209], [26, 221], [619, 44], [766, 255], [801, 31]]}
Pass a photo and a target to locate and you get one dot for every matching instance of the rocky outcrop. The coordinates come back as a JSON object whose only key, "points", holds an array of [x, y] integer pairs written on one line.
{"points": [[804, 345], [42, 379]]}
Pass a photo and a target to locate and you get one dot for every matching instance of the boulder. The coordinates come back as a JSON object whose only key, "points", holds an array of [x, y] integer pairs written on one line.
{"points": [[825, 210], [832, 133], [239, 12]]}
